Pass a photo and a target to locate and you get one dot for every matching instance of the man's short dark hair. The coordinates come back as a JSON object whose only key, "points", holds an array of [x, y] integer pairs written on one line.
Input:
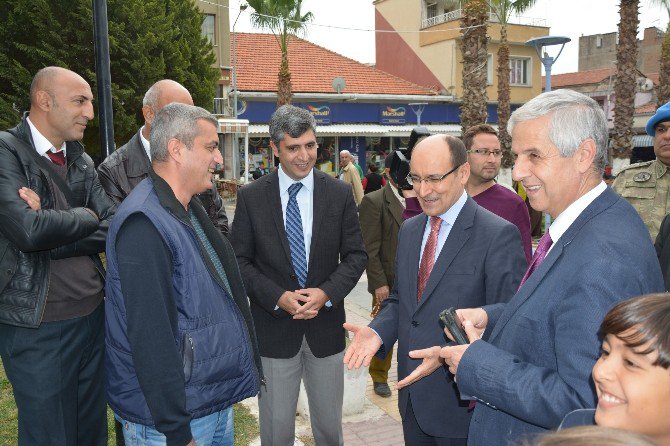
{"points": [[292, 121], [457, 149], [473, 131]]}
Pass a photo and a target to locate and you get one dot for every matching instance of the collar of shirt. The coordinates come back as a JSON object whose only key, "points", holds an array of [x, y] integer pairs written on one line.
{"points": [[566, 218], [400, 198], [145, 143], [285, 181], [42, 144], [661, 168], [448, 220]]}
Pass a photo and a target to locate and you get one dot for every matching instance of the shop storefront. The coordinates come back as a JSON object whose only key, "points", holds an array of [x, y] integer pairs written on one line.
{"points": [[369, 130]]}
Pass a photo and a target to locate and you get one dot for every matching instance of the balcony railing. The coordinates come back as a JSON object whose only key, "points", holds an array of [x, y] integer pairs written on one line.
{"points": [[456, 15]]}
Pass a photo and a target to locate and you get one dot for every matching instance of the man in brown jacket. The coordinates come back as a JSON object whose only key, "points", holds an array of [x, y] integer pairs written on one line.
{"points": [[380, 216]]}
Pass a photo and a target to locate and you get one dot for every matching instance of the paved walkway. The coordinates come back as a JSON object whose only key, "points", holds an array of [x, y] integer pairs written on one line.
{"points": [[379, 423]]}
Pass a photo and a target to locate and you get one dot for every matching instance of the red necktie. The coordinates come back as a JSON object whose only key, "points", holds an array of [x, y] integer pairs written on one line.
{"points": [[428, 258], [540, 253], [57, 157]]}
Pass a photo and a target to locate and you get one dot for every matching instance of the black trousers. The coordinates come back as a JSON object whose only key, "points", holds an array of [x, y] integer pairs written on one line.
{"points": [[56, 372], [415, 436]]}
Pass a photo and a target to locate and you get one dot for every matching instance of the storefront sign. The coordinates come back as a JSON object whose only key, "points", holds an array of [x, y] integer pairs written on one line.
{"points": [[392, 114], [321, 113]]}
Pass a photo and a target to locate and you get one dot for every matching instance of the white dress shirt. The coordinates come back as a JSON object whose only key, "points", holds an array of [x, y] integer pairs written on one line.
{"points": [[566, 218], [145, 143], [448, 219], [42, 144]]}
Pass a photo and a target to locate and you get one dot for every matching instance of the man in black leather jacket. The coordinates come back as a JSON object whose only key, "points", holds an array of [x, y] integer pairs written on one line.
{"points": [[124, 169], [54, 217]]}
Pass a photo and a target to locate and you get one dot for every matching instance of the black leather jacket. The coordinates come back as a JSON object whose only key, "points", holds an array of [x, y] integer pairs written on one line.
{"points": [[127, 166], [29, 239]]}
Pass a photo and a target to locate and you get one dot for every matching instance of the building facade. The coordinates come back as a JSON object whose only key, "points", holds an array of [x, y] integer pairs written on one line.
{"points": [[422, 43], [598, 51], [216, 28]]}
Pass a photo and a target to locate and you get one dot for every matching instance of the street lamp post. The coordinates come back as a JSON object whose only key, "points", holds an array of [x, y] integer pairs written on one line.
{"points": [[236, 148], [547, 61]]}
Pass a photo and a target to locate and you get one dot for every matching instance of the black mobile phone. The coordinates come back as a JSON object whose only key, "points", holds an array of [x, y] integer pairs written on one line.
{"points": [[451, 322]]}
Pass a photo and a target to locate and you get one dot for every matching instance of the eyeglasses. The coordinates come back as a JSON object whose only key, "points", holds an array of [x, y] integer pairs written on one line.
{"points": [[486, 152], [415, 180]]}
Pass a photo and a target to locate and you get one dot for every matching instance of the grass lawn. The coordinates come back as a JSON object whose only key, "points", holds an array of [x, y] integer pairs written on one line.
{"points": [[246, 425]]}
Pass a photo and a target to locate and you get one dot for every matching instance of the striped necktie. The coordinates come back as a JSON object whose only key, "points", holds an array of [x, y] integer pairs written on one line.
{"points": [[296, 240]]}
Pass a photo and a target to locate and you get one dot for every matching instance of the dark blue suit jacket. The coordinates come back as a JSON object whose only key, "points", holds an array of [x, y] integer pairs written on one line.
{"points": [[481, 263], [535, 366]]}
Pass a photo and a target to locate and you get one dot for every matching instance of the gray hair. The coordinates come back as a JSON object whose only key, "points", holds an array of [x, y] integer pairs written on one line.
{"points": [[345, 152], [292, 121], [176, 121], [575, 118]]}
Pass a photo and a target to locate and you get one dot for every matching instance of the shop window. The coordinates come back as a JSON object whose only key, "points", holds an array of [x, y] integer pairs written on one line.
{"points": [[519, 71]]}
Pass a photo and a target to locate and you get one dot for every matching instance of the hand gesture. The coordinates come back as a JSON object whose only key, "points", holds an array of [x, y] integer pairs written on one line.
{"points": [[363, 346], [291, 302], [431, 361]]}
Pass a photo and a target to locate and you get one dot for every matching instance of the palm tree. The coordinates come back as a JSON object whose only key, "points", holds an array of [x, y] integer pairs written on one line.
{"points": [[624, 87], [502, 10], [663, 90], [284, 19], [474, 21]]}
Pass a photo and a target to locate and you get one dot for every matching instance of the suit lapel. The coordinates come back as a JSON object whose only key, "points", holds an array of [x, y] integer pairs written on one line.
{"points": [[393, 204], [527, 289], [458, 236], [272, 192], [318, 210], [601, 203]]}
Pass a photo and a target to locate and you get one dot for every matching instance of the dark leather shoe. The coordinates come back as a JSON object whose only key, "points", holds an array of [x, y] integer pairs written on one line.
{"points": [[382, 389]]}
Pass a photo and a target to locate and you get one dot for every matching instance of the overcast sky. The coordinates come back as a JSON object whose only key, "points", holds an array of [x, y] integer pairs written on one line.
{"points": [[356, 40]]}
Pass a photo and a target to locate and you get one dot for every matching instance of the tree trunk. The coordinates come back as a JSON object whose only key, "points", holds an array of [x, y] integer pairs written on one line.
{"points": [[284, 88], [504, 98], [663, 90], [625, 86], [473, 49]]}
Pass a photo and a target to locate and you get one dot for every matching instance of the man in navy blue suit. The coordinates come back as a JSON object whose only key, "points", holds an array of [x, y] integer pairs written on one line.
{"points": [[455, 254], [534, 362]]}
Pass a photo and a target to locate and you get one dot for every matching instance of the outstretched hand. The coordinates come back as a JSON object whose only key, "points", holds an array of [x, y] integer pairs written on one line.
{"points": [[363, 346], [431, 361]]}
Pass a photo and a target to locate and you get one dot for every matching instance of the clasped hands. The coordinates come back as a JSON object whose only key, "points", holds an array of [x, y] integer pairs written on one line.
{"points": [[366, 343], [304, 303]]}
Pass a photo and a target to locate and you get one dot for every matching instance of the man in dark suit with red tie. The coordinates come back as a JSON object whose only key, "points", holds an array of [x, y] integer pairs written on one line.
{"points": [[300, 251], [454, 254], [54, 217]]}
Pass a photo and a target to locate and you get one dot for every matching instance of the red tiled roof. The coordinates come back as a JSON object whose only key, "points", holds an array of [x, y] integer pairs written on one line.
{"points": [[312, 67], [587, 77], [647, 108]]}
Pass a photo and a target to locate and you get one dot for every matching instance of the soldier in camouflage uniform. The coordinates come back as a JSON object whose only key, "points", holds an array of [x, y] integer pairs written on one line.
{"points": [[646, 185]]}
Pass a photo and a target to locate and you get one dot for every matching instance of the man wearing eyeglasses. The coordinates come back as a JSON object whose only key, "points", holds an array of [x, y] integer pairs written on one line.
{"points": [[454, 254], [484, 156]]}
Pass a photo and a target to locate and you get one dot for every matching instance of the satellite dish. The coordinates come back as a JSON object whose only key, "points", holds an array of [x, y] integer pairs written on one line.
{"points": [[645, 84], [339, 84]]}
